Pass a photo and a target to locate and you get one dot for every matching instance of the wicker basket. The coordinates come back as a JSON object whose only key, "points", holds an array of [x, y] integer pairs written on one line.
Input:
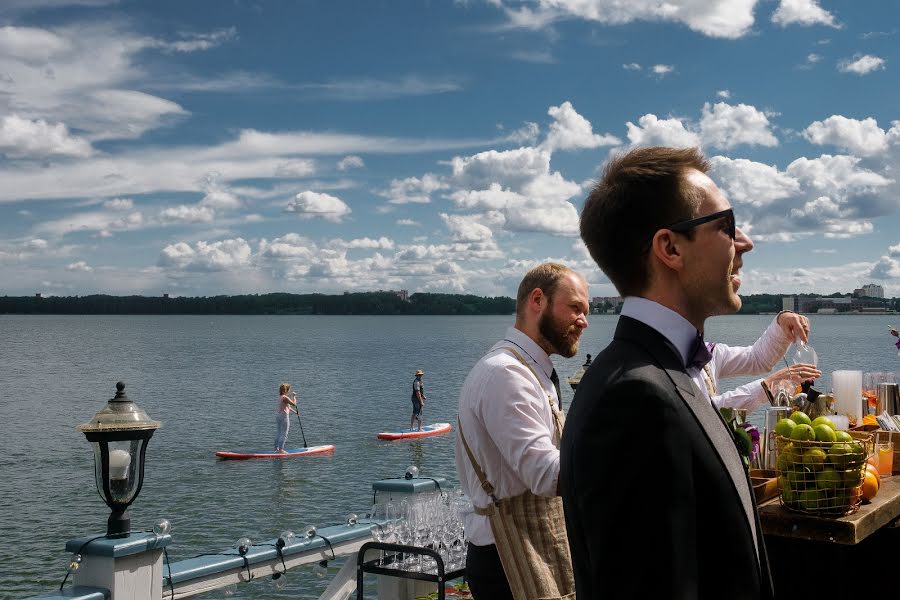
{"points": [[823, 479]]}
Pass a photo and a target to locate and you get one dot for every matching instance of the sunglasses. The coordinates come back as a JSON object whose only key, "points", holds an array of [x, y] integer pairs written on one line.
{"points": [[728, 214]]}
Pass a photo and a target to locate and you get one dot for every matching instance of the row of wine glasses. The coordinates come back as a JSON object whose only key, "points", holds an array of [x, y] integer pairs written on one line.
{"points": [[432, 521]]}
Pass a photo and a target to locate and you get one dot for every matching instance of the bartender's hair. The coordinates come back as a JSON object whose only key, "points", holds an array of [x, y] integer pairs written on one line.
{"points": [[640, 192], [545, 276], [284, 388]]}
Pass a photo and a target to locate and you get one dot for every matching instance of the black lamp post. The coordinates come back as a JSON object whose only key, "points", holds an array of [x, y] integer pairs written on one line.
{"points": [[119, 433]]}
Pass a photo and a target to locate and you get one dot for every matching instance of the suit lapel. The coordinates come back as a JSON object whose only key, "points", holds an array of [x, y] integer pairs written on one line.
{"points": [[709, 419]]}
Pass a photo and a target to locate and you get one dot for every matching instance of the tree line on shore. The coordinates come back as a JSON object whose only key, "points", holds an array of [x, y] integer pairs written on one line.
{"points": [[361, 303]]}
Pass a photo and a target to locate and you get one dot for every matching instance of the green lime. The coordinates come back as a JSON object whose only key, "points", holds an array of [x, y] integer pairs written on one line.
{"points": [[784, 427], [801, 479], [810, 499], [790, 498], [800, 418], [824, 433], [802, 432], [814, 458], [839, 455], [823, 420], [829, 479], [843, 436], [853, 477]]}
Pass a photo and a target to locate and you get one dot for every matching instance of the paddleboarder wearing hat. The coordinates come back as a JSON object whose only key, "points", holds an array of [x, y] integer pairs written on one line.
{"points": [[418, 400]]}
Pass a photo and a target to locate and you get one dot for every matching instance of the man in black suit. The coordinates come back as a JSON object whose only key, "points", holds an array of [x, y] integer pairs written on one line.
{"points": [[657, 501]]}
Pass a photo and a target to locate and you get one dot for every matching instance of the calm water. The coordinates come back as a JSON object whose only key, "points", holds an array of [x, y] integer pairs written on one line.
{"points": [[212, 381]]}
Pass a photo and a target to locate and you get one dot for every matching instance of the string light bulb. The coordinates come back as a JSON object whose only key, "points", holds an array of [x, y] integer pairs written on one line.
{"points": [[285, 539], [243, 545], [352, 519], [162, 527], [321, 569], [75, 562], [412, 471], [310, 531]]}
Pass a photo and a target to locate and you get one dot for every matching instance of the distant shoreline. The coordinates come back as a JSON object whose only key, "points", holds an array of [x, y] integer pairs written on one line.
{"points": [[388, 303]]}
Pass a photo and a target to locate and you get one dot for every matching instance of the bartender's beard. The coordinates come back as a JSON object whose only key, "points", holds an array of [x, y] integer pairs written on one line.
{"points": [[561, 337]]}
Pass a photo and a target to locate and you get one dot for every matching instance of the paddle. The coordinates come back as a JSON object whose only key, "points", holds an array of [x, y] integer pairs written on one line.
{"points": [[297, 412]]}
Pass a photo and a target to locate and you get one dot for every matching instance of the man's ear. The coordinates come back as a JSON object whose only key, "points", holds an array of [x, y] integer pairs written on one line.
{"points": [[666, 247], [536, 300]]}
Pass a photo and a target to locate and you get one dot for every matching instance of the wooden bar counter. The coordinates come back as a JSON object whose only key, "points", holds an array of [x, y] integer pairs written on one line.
{"points": [[845, 548]]}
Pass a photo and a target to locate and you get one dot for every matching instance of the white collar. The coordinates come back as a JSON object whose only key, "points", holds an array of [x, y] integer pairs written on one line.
{"points": [[666, 321]]}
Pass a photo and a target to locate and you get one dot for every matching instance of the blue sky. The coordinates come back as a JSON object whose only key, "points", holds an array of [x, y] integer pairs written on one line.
{"points": [[213, 147]]}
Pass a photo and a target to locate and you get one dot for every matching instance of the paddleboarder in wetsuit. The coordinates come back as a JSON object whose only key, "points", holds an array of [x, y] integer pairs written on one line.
{"points": [[418, 400]]}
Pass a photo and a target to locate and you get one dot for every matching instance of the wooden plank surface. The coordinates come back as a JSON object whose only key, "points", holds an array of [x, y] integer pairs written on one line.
{"points": [[852, 529]]}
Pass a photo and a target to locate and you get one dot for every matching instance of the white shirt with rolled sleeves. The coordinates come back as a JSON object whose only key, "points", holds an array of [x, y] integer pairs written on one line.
{"points": [[506, 417], [735, 361]]}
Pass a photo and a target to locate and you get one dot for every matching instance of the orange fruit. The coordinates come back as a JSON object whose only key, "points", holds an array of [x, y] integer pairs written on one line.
{"points": [[873, 460], [870, 486], [874, 471]]}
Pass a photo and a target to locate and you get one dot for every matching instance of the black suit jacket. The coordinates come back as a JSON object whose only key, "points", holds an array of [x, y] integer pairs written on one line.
{"points": [[654, 505]]}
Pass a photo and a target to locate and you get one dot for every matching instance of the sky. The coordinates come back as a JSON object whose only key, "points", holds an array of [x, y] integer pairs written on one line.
{"points": [[232, 147]]}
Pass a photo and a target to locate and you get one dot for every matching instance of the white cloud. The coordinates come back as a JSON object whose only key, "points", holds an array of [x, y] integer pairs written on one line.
{"points": [[309, 204], [493, 198], [571, 131], [408, 223], [381, 243], [715, 18], [751, 183], [220, 199], [561, 219], [466, 228], [79, 266], [802, 12], [510, 168], [662, 70], [837, 176], [725, 94], [28, 138], [631, 67], [863, 138], [726, 126], [295, 168], [224, 255], [651, 131], [119, 204], [813, 58], [379, 89], [861, 65], [187, 214], [350, 162], [413, 190], [193, 42]]}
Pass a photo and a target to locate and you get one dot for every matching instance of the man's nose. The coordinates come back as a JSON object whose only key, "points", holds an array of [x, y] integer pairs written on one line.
{"points": [[742, 241]]}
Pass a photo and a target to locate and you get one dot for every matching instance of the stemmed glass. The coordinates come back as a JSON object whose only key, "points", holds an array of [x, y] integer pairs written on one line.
{"points": [[385, 531]]}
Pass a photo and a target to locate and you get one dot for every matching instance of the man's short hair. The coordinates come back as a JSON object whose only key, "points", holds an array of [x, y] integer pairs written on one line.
{"points": [[641, 192], [545, 276]]}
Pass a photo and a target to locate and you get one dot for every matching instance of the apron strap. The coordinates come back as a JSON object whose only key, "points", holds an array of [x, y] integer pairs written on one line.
{"points": [[557, 416], [486, 485]]}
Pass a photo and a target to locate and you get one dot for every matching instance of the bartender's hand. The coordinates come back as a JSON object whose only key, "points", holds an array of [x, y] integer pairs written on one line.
{"points": [[797, 374], [794, 325]]}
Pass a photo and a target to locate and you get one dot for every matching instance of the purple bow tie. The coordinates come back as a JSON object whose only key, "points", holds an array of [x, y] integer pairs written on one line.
{"points": [[701, 354]]}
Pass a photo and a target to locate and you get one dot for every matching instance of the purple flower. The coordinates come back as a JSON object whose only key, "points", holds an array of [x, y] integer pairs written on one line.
{"points": [[754, 437]]}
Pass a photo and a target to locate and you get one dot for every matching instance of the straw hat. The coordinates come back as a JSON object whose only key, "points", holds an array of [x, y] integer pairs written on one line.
{"points": [[419, 372]]}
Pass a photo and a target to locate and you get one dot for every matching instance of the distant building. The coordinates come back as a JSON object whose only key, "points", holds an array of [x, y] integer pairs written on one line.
{"points": [[165, 295], [402, 294], [790, 303], [599, 302], [839, 305], [870, 290], [38, 295]]}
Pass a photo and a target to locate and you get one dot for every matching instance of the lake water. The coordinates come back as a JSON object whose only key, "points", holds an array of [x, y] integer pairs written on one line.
{"points": [[212, 381]]}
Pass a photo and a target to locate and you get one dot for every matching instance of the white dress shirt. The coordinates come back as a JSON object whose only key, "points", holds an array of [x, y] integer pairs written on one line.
{"points": [[734, 361], [505, 415]]}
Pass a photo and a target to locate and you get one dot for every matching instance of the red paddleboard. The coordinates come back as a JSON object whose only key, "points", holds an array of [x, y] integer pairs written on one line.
{"points": [[405, 434], [289, 454]]}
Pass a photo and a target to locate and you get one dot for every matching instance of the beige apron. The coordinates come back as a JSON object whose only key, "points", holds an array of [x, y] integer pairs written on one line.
{"points": [[530, 531]]}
